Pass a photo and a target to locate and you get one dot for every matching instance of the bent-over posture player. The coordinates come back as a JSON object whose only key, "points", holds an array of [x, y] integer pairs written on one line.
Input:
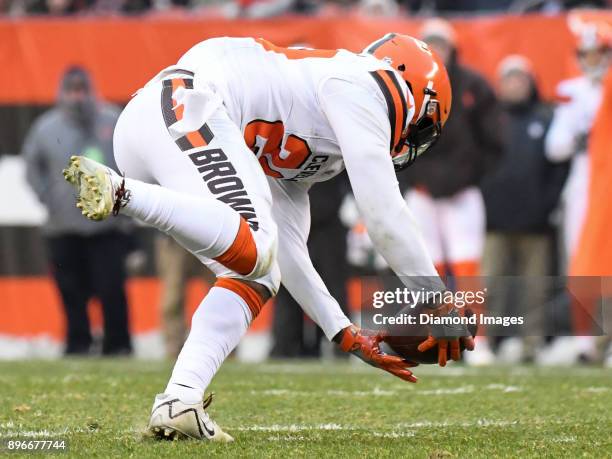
{"points": [[219, 152]]}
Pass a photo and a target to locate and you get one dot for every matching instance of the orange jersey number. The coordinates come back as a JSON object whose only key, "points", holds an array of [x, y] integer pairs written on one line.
{"points": [[265, 139]]}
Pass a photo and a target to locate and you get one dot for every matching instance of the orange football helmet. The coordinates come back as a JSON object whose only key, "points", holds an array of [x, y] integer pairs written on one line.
{"points": [[426, 77]]}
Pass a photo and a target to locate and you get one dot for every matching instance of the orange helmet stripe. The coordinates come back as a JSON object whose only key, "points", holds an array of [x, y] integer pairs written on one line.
{"points": [[396, 104]]}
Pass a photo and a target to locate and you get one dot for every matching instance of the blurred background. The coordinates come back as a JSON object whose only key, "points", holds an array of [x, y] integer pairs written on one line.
{"points": [[519, 185]]}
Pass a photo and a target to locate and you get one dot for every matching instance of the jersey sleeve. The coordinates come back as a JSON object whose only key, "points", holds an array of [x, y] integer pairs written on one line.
{"points": [[361, 124], [292, 215]]}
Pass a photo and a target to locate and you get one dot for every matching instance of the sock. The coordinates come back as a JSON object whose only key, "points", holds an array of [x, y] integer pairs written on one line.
{"points": [[217, 326], [202, 225]]}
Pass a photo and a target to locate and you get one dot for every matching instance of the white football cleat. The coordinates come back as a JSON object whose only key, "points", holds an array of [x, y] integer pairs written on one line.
{"points": [[172, 419], [101, 191]]}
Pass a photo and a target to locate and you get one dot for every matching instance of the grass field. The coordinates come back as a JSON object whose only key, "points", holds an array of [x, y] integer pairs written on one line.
{"points": [[314, 410]]}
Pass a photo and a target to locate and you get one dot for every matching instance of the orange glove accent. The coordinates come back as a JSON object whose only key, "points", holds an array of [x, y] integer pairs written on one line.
{"points": [[444, 342], [365, 344]]}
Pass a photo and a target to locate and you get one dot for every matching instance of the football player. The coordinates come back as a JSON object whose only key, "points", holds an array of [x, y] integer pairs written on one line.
{"points": [[219, 152], [579, 99], [567, 138]]}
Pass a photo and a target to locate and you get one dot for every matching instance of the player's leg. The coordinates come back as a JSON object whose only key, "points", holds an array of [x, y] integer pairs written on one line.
{"points": [[203, 202], [463, 231], [584, 345], [237, 297], [462, 218], [215, 201], [575, 204]]}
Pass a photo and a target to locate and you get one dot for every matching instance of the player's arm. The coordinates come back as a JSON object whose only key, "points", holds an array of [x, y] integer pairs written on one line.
{"points": [[292, 215], [362, 128], [563, 137]]}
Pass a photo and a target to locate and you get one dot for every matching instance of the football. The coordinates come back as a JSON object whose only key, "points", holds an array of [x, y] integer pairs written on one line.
{"points": [[404, 339]]}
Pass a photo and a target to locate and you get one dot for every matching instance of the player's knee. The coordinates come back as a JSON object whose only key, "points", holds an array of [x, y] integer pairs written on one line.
{"points": [[243, 255], [273, 278], [266, 260], [262, 291], [248, 258], [266, 284]]}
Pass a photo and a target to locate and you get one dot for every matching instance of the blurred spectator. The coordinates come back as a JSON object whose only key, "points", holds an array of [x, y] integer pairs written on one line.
{"points": [[579, 101], [261, 8], [175, 266], [87, 258], [71, 7], [12, 7], [472, 5], [555, 6], [294, 334], [520, 195], [483, 6], [58, 7], [444, 193], [378, 8], [123, 6]]}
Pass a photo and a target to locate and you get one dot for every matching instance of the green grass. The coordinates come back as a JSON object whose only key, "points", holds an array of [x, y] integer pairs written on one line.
{"points": [[314, 410]]}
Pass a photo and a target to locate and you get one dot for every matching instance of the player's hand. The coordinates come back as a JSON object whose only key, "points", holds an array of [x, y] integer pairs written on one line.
{"points": [[444, 344], [365, 344], [447, 337]]}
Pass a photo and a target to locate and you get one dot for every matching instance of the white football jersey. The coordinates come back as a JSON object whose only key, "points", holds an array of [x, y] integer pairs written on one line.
{"points": [[567, 138], [273, 95], [581, 97], [307, 114]]}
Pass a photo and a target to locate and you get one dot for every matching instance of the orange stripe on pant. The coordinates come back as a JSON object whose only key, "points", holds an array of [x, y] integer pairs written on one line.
{"points": [[248, 294], [241, 256]]}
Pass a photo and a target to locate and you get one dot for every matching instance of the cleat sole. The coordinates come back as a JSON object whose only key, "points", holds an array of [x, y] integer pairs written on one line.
{"points": [[95, 193], [167, 433]]}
